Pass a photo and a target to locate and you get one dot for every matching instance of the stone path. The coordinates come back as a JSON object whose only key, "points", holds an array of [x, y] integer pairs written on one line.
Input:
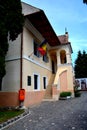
{"points": [[60, 115]]}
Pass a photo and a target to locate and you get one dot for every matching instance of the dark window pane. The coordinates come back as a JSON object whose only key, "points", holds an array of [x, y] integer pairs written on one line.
{"points": [[36, 52], [35, 81], [29, 80], [45, 58], [44, 82]]}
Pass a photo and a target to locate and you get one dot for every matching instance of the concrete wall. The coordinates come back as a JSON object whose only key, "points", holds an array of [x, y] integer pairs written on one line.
{"points": [[34, 65], [64, 78], [9, 99], [31, 65], [64, 75], [11, 81]]}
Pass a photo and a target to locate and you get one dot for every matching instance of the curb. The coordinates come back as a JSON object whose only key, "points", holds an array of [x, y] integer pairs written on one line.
{"points": [[14, 120]]}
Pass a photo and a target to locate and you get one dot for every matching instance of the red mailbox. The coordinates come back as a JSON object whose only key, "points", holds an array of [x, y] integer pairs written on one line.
{"points": [[21, 94]]}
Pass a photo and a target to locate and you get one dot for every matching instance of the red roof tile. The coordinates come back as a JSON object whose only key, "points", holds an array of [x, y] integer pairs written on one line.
{"points": [[63, 39]]}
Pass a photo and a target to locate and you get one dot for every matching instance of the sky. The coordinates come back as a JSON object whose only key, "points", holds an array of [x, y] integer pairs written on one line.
{"points": [[70, 14]]}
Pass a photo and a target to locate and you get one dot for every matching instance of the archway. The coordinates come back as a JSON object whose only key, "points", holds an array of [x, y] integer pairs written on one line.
{"points": [[63, 56]]}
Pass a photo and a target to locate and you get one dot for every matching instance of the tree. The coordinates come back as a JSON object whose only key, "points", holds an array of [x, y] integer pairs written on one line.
{"points": [[11, 25], [85, 1], [81, 65]]}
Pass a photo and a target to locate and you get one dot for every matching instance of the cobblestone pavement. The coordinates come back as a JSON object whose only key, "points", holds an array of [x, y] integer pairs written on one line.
{"points": [[68, 114]]}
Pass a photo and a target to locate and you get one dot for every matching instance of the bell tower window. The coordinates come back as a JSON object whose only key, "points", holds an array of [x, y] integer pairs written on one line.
{"points": [[63, 56]]}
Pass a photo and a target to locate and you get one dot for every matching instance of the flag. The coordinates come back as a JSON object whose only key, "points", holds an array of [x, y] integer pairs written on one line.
{"points": [[42, 48]]}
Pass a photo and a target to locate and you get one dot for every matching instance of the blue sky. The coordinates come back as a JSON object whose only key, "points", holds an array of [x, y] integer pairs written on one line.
{"points": [[70, 14]]}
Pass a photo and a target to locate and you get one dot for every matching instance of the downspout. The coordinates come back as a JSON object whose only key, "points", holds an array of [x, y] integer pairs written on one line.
{"points": [[21, 62], [21, 67], [21, 91]]}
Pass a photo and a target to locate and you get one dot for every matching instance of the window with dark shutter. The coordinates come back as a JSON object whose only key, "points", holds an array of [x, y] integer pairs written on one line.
{"points": [[36, 52], [35, 81], [45, 58], [44, 82], [28, 80]]}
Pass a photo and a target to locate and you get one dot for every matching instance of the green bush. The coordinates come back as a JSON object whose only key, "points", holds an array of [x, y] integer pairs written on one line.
{"points": [[65, 94], [77, 92]]}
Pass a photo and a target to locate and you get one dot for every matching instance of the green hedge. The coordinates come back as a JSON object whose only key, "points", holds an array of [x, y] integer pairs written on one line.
{"points": [[77, 92], [65, 94]]}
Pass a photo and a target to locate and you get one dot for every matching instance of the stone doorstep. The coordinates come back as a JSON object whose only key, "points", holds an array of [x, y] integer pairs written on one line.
{"points": [[50, 100], [13, 120]]}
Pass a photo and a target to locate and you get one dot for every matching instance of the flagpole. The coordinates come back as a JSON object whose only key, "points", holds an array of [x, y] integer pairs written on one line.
{"points": [[37, 48]]}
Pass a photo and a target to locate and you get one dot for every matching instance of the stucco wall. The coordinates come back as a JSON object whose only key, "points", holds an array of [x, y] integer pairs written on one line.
{"points": [[33, 64], [9, 99], [63, 81], [28, 48], [69, 78], [14, 49], [11, 81], [29, 69], [33, 98], [68, 54]]}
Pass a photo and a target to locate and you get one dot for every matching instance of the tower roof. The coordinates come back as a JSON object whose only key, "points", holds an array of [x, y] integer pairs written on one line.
{"points": [[64, 40]]}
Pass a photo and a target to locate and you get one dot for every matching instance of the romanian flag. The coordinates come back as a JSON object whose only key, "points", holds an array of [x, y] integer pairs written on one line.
{"points": [[42, 48]]}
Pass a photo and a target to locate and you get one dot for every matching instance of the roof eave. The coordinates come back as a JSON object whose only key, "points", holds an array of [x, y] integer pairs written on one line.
{"points": [[41, 23]]}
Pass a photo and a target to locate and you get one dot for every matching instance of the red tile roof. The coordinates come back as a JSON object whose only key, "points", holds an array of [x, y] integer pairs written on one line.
{"points": [[63, 39]]}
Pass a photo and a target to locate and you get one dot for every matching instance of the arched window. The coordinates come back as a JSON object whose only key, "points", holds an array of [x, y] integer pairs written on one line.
{"points": [[63, 56]]}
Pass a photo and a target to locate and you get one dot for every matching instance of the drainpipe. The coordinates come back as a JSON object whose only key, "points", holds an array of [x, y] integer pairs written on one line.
{"points": [[21, 55], [21, 66]]}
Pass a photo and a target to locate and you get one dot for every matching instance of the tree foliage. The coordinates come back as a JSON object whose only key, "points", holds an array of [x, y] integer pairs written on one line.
{"points": [[81, 65], [85, 1], [11, 25]]}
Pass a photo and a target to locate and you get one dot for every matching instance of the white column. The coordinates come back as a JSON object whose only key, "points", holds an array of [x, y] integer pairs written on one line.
{"points": [[68, 57], [58, 58]]}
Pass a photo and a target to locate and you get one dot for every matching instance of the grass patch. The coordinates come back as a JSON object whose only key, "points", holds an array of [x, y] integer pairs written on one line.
{"points": [[8, 114]]}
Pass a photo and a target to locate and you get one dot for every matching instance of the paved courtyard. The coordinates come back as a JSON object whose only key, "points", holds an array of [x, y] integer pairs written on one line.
{"points": [[68, 114]]}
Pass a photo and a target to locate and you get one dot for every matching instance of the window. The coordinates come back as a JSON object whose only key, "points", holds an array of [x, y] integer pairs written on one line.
{"points": [[36, 82], [28, 80], [45, 58], [63, 56], [44, 82], [36, 52]]}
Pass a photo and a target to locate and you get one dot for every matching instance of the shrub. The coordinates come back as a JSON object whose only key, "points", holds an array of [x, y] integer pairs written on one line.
{"points": [[77, 92], [65, 94]]}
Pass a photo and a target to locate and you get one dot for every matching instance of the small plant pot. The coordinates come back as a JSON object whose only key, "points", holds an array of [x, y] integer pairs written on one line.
{"points": [[68, 97]]}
